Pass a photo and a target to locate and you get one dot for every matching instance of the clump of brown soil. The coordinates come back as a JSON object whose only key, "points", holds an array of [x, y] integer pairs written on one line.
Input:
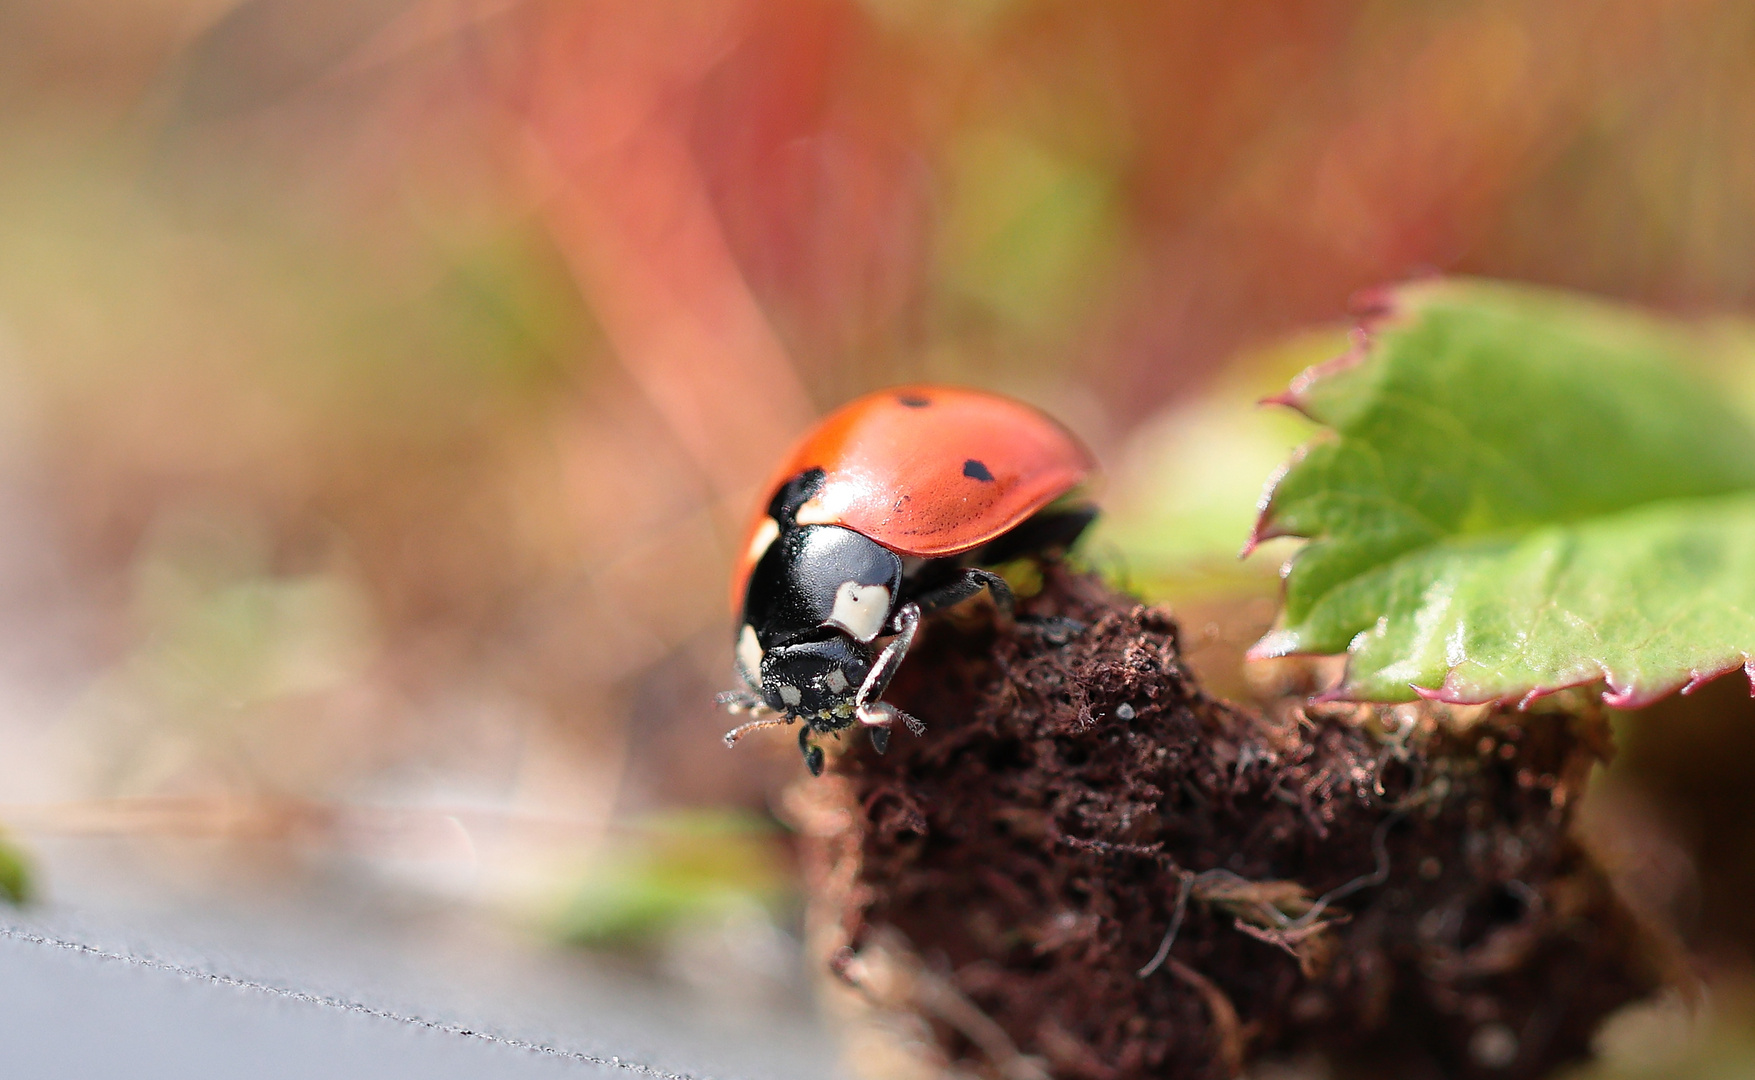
{"points": [[1393, 885]]}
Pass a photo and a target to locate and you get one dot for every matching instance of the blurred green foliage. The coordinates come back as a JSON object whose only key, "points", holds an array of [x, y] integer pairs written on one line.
{"points": [[1179, 505], [1668, 1038], [225, 643], [17, 883], [1030, 232], [673, 870]]}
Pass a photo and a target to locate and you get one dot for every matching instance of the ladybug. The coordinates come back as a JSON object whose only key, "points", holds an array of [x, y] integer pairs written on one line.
{"points": [[890, 508]]}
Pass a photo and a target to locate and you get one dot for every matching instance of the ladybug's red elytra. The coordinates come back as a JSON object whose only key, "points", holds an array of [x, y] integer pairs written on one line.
{"points": [[887, 510]]}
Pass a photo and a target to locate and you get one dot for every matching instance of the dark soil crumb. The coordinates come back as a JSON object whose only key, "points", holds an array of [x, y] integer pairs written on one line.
{"points": [[1392, 886]]}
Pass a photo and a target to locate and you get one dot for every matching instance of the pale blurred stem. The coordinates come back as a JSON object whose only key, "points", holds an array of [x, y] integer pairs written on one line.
{"points": [[631, 213]]}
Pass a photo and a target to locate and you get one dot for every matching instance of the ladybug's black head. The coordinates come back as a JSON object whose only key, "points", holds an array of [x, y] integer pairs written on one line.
{"points": [[818, 599], [816, 681]]}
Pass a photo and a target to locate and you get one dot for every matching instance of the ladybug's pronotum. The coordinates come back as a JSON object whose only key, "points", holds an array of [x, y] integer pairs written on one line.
{"points": [[889, 508]]}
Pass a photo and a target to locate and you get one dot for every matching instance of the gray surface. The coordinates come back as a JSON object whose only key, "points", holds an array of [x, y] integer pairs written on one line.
{"points": [[73, 1005], [79, 1016], [343, 980]]}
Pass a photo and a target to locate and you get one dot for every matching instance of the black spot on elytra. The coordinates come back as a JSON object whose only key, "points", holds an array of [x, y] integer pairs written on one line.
{"points": [[975, 470], [913, 401]]}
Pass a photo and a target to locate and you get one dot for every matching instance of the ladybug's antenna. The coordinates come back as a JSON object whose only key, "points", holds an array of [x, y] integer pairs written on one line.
{"points": [[741, 730]]}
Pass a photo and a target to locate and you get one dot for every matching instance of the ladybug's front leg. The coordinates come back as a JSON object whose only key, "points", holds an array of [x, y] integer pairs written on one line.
{"points": [[878, 715]]}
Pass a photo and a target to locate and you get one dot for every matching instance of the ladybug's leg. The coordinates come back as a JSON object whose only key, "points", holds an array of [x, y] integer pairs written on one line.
{"points": [[881, 716], [813, 754], [967, 583], [971, 581], [878, 715]]}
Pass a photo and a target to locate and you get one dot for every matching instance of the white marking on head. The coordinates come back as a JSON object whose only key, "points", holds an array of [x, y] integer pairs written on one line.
{"points": [[835, 681], [765, 535], [790, 695], [749, 654], [861, 610]]}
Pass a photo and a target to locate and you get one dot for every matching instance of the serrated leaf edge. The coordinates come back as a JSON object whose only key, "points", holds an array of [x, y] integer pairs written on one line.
{"points": [[1373, 309]]}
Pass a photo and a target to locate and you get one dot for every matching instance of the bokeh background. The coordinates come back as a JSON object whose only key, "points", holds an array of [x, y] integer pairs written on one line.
{"points": [[384, 383]]}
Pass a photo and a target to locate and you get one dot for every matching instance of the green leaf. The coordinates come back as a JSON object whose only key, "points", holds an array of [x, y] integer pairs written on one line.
{"points": [[1521, 490]]}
